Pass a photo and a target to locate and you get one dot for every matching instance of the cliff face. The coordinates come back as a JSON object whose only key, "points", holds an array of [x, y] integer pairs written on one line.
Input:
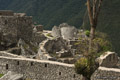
{"points": [[55, 12]]}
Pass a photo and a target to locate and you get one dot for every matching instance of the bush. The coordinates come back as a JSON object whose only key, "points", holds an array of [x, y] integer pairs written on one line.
{"points": [[87, 32], [100, 45], [86, 66]]}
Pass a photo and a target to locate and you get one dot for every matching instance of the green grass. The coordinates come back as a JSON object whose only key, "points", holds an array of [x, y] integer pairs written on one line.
{"points": [[1, 75], [49, 35]]}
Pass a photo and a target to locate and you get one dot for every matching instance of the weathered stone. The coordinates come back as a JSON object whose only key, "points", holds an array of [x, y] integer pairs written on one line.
{"points": [[68, 32], [16, 27], [6, 13], [38, 69], [38, 37], [108, 59], [39, 27], [15, 50], [64, 53], [53, 46], [27, 49], [56, 32], [67, 60], [64, 30], [63, 25], [103, 73]]}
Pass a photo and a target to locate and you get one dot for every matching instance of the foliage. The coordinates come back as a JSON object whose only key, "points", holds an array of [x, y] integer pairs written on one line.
{"points": [[86, 66], [87, 32], [1, 75], [100, 44]]}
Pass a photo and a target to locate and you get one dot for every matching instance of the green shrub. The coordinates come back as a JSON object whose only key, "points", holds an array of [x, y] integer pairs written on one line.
{"points": [[100, 45], [87, 32], [86, 66]]}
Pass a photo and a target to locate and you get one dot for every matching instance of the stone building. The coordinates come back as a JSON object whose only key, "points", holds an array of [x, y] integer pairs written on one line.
{"points": [[65, 31], [13, 26], [56, 32]]}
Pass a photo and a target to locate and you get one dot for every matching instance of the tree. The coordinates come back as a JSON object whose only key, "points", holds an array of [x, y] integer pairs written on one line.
{"points": [[87, 65], [93, 7]]}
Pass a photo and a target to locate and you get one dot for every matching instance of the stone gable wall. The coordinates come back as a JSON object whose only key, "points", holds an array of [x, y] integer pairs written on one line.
{"points": [[16, 27], [38, 69]]}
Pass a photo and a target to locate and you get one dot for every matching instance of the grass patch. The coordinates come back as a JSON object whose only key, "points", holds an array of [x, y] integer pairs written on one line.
{"points": [[1, 75], [49, 35]]}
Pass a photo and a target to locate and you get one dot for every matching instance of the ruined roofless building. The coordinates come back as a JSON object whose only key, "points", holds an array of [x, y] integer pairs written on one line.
{"points": [[18, 25]]}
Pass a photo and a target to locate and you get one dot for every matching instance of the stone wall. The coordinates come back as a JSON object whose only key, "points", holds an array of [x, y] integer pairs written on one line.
{"points": [[15, 27], [65, 31], [6, 54], [104, 73], [6, 13], [108, 59], [38, 69]]}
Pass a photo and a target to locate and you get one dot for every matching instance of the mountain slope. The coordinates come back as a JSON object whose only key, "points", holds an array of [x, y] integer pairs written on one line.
{"points": [[49, 12], [109, 22], [54, 12]]}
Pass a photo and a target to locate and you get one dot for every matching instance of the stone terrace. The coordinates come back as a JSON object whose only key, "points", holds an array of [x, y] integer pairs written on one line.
{"points": [[38, 69]]}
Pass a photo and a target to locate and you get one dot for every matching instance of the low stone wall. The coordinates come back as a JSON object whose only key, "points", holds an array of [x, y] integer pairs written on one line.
{"points": [[104, 73], [6, 54], [38, 69]]}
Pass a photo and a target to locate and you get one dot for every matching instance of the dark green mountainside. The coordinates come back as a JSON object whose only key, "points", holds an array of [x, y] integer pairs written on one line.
{"points": [[54, 12], [49, 12]]}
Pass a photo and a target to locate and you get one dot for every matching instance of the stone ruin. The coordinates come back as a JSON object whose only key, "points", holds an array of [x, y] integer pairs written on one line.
{"points": [[65, 31], [14, 27], [6, 13], [108, 67], [31, 46], [108, 59]]}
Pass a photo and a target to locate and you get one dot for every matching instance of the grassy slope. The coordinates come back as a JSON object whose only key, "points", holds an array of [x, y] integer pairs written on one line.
{"points": [[54, 12]]}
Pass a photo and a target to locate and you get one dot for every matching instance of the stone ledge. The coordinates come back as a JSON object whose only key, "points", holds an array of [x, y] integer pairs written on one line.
{"points": [[109, 69], [41, 61]]}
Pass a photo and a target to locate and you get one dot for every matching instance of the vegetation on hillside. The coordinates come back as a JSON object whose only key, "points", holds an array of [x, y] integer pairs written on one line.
{"points": [[87, 65]]}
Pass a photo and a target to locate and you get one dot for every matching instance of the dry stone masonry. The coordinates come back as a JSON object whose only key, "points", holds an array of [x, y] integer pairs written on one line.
{"points": [[38, 69], [14, 27]]}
